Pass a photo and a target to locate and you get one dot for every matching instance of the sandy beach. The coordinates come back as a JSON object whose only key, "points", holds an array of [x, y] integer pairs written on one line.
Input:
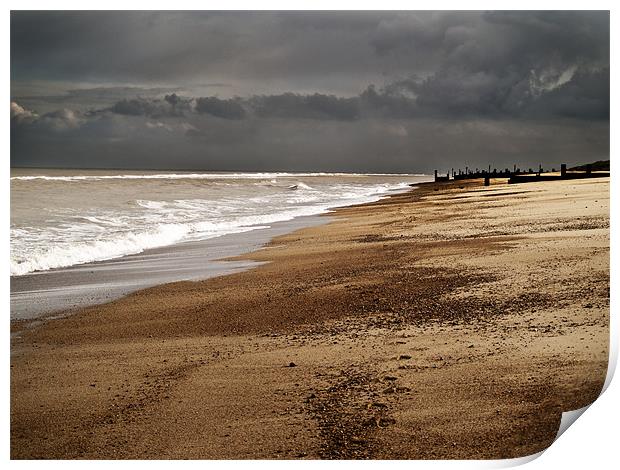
{"points": [[453, 321]]}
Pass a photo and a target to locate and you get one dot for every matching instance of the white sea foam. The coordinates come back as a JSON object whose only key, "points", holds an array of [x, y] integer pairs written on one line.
{"points": [[213, 176], [80, 224], [97, 250]]}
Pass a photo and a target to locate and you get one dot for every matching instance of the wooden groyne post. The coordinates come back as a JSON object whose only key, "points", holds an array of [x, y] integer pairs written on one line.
{"points": [[441, 178]]}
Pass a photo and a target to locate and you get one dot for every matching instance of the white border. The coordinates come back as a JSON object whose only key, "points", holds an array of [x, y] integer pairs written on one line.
{"points": [[590, 443]]}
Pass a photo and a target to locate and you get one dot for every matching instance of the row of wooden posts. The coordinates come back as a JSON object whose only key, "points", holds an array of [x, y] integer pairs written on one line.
{"points": [[515, 174]]}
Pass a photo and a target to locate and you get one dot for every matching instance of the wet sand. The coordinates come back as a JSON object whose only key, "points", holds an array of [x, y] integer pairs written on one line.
{"points": [[454, 321], [59, 291]]}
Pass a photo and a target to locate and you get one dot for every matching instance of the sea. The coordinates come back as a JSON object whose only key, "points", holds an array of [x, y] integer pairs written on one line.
{"points": [[63, 218]]}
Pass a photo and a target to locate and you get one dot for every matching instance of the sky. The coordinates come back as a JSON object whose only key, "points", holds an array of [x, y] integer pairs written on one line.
{"points": [[344, 91]]}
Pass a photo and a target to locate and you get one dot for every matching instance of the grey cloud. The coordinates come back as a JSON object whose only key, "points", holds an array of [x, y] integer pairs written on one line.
{"points": [[420, 30], [585, 96], [84, 99], [580, 94], [251, 51], [406, 145], [140, 87], [115, 93], [20, 114], [285, 106], [565, 36], [498, 63], [315, 106], [393, 101], [137, 107], [226, 109], [62, 119], [171, 105], [59, 120], [324, 51]]}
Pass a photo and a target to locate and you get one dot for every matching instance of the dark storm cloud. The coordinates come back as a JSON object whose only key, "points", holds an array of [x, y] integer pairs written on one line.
{"points": [[469, 55], [503, 62], [170, 106], [298, 85], [185, 46], [295, 49], [226, 109], [206, 142], [585, 95], [315, 106], [141, 107], [284, 106]]}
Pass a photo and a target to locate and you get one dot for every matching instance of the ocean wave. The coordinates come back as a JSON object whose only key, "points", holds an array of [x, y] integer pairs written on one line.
{"points": [[300, 185], [81, 236], [98, 250], [215, 176], [127, 243]]}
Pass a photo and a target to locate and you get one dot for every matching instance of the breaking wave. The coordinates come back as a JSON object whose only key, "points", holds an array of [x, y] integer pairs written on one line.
{"points": [[86, 224]]}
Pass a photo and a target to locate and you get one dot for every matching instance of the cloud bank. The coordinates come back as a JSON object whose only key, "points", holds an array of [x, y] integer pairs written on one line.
{"points": [[346, 91]]}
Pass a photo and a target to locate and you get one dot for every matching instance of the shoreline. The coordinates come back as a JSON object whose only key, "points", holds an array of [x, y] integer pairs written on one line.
{"points": [[61, 291], [394, 331]]}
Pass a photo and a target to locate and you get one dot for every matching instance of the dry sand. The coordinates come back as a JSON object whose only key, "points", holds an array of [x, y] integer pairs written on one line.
{"points": [[454, 321]]}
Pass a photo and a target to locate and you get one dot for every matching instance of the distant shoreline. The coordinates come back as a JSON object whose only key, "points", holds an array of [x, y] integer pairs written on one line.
{"points": [[63, 290]]}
